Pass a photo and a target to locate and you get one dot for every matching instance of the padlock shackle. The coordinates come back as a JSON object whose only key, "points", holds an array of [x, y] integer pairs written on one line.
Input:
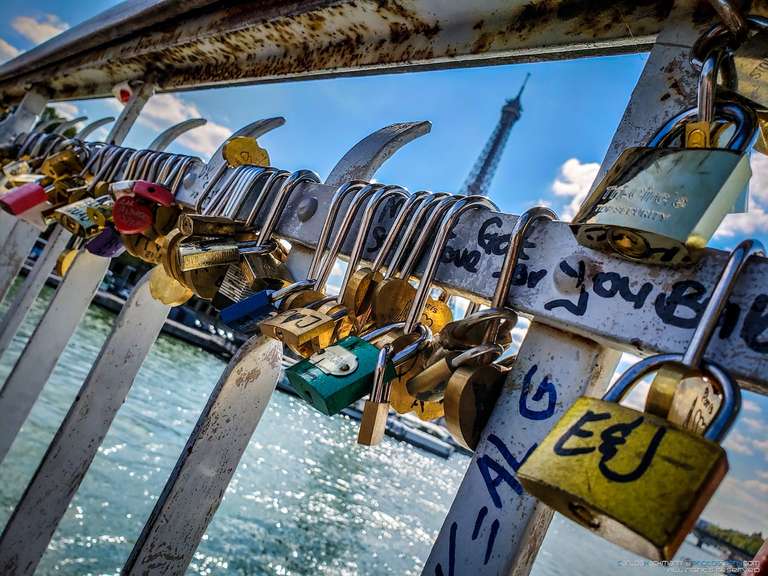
{"points": [[449, 221], [281, 200], [438, 203], [375, 201], [711, 315], [360, 196], [743, 116], [718, 36], [382, 386], [330, 219], [728, 410], [511, 259], [410, 209]]}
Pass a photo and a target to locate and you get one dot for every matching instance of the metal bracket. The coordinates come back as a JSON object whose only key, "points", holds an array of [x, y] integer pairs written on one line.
{"points": [[23, 118], [170, 134]]}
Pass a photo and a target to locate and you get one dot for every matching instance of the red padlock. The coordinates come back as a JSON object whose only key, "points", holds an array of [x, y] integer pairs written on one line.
{"points": [[22, 198], [153, 192], [131, 216]]}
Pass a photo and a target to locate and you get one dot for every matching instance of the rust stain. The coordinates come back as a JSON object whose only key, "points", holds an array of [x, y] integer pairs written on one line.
{"points": [[236, 45]]}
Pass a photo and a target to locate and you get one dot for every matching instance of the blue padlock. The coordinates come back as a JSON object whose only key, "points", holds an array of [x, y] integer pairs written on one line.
{"points": [[244, 316]]}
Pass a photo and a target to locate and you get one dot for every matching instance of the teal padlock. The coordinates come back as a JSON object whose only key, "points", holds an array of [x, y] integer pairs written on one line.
{"points": [[339, 375]]}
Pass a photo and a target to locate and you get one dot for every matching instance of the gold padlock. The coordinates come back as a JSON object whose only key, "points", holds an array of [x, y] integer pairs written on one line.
{"points": [[632, 477]]}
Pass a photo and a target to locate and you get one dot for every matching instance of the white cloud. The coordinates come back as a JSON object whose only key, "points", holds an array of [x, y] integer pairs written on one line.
{"points": [[756, 220], [755, 424], [39, 29], [66, 109], [574, 181], [163, 110], [762, 474], [750, 406], [757, 486], [739, 505], [7, 51], [737, 442], [761, 446]]}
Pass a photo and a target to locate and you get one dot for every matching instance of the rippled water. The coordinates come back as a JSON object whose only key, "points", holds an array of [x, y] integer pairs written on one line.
{"points": [[305, 499]]}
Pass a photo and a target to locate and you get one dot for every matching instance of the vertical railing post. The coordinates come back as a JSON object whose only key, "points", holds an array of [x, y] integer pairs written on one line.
{"points": [[66, 461], [493, 527], [16, 237], [60, 320], [202, 473]]}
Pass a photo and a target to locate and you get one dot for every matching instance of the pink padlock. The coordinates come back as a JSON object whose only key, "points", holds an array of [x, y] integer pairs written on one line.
{"points": [[153, 192], [22, 198]]}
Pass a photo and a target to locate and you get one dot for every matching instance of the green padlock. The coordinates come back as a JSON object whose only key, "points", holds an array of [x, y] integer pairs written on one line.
{"points": [[339, 375]]}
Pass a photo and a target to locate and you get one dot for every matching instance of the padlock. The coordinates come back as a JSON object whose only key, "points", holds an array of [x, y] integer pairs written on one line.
{"points": [[373, 423], [661, 205], [108, 243], [131, 216], [394, 294], [471, 391], [22, 198], [303, 330], [338, 375], [402, 399], [750, 62], [357, 286], [677, 392], [632, 477], [245, 315], [75, 217]]}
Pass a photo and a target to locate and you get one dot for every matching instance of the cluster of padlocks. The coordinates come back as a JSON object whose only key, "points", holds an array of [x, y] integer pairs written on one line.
{"points": [[638, 478]]}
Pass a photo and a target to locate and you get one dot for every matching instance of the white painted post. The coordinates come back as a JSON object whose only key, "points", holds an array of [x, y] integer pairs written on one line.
{"points": [[209, 460], [33, 283], [36, 516], [13, 253], [48, 341], [487, 528]]}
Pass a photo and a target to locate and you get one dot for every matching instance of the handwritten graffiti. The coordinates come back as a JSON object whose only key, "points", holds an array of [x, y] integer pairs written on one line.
{"points": [[681, 306], [610, 439], [545, 387]]}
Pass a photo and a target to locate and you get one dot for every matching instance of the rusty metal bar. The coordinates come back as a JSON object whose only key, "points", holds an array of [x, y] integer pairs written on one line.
{"points": [[215, 43]]}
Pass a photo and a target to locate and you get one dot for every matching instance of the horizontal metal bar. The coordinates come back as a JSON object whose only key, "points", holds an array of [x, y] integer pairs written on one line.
{"points": [[622, 304], [247, 42]]}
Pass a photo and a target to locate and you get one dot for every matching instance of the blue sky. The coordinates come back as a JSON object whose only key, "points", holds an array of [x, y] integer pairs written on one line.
{"points": [[571, 110]]}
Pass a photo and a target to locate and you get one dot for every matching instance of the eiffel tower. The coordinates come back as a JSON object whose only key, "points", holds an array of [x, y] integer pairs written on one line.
{"points": [[479, 179]]}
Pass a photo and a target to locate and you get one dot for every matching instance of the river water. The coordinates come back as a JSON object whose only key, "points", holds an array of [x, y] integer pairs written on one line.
{"points": [[306, 498]]}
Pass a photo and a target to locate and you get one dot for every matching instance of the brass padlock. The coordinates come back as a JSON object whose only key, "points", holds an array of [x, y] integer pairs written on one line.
{"points": [[750, 61], [631, 477], [635, 478], [304, 330], [678, 392], [471, 391], [660, 204], [357, 286]]}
